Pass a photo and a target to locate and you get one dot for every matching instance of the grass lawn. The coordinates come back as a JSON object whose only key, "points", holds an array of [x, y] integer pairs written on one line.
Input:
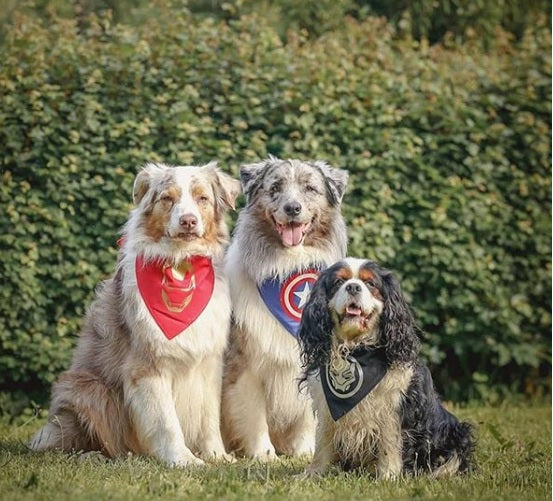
{"points": [[513, 454]]}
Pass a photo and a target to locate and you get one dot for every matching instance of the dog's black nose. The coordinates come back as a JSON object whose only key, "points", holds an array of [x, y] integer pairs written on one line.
{"points": [[188, 221], [353, 289], [292, 209]]}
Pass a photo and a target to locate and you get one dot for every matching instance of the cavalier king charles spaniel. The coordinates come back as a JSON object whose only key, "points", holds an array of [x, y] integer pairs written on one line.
{"points": [[373, 396]]}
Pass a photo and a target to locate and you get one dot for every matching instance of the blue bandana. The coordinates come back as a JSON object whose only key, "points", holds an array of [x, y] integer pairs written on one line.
{"points": [[287, 298]]}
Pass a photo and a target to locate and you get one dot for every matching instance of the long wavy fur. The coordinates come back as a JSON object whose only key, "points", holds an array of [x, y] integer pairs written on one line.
{"points": [[434, 440], [315, 332], [397, 323]]}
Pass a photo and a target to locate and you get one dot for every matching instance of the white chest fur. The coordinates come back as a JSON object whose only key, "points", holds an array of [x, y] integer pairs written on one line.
{"points": [[269, 340], [207, 335]]}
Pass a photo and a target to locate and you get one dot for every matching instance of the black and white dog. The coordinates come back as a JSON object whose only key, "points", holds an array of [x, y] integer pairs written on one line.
{"points": [[374, 397]]}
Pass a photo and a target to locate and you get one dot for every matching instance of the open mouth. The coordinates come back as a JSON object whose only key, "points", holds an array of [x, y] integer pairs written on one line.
{"points": [[354, 312], [293, 233]]}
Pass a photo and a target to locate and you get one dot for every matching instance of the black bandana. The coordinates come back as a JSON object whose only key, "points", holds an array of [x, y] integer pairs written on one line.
{"points": [[347, 381]]}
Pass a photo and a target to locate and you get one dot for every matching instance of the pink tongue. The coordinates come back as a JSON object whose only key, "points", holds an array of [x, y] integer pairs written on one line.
{"points": [[352, 310], [292, 234]]}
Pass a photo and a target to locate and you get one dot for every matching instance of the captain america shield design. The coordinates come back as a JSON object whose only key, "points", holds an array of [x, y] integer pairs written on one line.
{"points": [[295, 293], [287, 299]]}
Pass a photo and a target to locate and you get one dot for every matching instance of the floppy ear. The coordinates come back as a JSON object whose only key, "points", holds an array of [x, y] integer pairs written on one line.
{"points": [[315, 332], [143, 181], [227, 188], [140, 186], [251, 176], [336, 181], [397, 324]]}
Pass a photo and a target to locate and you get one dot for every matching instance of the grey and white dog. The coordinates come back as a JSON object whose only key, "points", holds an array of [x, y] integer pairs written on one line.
{"points": [[290, 228]]}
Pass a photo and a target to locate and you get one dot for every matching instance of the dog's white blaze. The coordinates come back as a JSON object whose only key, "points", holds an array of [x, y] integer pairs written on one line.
{"points": [[366, 300], [354, 264], [186, 204]]}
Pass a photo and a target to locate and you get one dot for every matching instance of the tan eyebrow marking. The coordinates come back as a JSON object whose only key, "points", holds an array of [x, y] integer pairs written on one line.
{"points": [[344, 273], [365, 274]]}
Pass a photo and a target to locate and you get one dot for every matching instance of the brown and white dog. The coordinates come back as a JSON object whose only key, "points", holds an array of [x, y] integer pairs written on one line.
{"points": [[146, 373], [290, 229]]}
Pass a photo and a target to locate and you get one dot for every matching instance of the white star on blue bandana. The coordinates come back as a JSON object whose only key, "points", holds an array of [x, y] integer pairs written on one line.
{"points": [[303, 295]]}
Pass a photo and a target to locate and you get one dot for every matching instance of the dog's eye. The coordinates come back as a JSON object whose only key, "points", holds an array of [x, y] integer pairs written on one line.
{"points": [[166, 198], [370, 284], [338, 282], [275, 188], [311, 189], [203, 199]]}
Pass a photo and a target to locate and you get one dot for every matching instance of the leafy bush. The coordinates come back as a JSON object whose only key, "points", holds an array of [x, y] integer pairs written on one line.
{"points": [[433, 19], [428, 19], [448, 149]]}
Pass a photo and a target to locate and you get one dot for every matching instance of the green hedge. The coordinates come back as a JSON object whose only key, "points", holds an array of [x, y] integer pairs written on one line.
{"points": [[449, 153]]}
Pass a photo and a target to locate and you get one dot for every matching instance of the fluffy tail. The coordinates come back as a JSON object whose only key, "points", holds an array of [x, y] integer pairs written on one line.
{"points": [[462, 436], [453, 447]]}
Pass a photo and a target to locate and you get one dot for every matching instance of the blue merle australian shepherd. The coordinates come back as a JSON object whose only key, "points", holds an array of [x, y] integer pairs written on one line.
{"points": [[374, 397]]}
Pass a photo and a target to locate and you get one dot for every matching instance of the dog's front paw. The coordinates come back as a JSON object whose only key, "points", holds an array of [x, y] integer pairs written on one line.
{"points": [[265, 456], [219, 456], [263, 450], [311, 472], [388, 475], [186, 461], [305, 449]]}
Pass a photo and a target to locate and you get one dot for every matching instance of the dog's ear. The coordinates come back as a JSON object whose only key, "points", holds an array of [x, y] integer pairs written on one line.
{"points": [[251, 176], [336, 181], [226, 187], [141, 186], [315, 332], [397, 323], [144, 179]]}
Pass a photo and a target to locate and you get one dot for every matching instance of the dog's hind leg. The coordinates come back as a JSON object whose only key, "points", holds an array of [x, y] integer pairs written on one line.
{"points": [[82, 417], [448, 469], [61, 432], [455, 448]]}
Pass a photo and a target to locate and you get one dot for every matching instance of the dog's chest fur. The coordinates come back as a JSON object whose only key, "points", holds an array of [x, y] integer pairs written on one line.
{"points": [[207, 335], [268, 340], [358, 434]]}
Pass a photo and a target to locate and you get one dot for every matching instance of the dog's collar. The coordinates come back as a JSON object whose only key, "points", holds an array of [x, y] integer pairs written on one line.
{"points": [[287, 297], [175, 295], [348, 379]]}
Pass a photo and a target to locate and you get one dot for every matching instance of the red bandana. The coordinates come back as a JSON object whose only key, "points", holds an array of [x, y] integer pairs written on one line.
{"points": [[175, 297]]}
